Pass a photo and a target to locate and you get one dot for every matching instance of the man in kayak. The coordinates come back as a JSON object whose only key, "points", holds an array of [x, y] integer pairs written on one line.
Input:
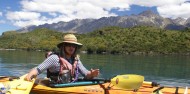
{"points": [[65, 66]]}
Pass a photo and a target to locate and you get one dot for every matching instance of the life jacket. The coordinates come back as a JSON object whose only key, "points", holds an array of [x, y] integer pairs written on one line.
{"points": [[68, 72]]}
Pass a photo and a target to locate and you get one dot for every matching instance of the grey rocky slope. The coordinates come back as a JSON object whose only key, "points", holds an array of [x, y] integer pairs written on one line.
{"points": [[146, 18]]}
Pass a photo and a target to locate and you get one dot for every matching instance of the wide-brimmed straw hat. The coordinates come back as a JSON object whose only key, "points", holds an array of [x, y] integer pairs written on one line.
{"points": [[71, 39]]}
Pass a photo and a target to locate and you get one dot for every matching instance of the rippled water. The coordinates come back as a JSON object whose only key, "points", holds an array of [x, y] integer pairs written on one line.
{"points": [[166, 70]]}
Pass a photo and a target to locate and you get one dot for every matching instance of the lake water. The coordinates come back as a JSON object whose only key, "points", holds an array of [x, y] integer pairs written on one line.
{"points": [[167, 70]]}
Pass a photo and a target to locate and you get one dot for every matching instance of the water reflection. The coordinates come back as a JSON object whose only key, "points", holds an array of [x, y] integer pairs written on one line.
{"points": [[166, 70]]}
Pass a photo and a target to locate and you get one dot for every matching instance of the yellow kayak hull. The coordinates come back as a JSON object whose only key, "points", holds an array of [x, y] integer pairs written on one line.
{"points": [[103, 89], [18, 86]]}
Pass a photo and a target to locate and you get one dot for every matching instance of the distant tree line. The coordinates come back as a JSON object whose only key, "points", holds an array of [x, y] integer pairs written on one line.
{"points": [[114, 40]]}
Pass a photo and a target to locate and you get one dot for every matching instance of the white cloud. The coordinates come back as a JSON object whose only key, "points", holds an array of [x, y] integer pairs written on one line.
{"points": [[1, 14], [68, 6], [167, 8], [174, 11], [22, 18], [22, 15], [21, 23], [33, 11], [86, 10], [2, 21], [109, 4], [48, 5], [8, 7], [157, 3], [53, 14], [36, 12]]}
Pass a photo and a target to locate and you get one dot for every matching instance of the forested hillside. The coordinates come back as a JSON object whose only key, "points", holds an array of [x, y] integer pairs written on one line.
{"points": [[39, 39], [115, 40]]}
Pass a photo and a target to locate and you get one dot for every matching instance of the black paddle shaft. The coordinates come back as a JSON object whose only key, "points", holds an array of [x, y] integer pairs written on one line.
{"points": [[95, 79]]}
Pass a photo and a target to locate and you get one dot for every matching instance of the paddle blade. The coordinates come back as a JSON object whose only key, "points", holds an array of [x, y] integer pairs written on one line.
{"points": [[128, 81]]}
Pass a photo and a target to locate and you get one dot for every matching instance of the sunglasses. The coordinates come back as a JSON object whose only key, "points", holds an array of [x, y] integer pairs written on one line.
{"points": [[70, 45]]}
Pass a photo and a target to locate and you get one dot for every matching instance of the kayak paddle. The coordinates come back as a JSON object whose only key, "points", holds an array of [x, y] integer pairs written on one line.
{"points": [[17, 86], [126, 81]]}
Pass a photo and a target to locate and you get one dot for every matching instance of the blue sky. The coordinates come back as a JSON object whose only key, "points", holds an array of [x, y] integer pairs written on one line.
{"points": [[15, 14]]}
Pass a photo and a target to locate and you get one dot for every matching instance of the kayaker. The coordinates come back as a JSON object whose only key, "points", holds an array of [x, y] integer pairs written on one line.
{"points": [[68, 60]]}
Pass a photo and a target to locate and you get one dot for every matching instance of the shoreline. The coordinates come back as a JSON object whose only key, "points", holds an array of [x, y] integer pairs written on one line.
{"points": [[151, 53]]}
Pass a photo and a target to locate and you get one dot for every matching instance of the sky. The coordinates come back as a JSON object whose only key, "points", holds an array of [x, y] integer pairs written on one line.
{"points": [[16, 14]]}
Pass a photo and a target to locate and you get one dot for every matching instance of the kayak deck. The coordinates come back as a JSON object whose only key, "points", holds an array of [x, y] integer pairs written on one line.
{"points": [[105, 88], [17, 86]]}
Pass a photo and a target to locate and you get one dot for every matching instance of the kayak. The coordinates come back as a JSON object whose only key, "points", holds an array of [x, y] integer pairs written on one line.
{"points": [[127, 84], [107, 88], [121, 84], [15, 85]]}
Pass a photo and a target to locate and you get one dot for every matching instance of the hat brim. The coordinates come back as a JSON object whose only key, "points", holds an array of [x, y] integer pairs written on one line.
{"points": [[79, 45]]}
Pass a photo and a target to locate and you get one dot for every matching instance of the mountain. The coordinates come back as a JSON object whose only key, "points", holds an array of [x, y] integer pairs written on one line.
{"points": [[146, 18], [188, 22]]}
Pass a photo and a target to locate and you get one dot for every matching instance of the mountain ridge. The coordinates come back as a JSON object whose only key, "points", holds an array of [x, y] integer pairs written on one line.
{"points": [[146, 18]]}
